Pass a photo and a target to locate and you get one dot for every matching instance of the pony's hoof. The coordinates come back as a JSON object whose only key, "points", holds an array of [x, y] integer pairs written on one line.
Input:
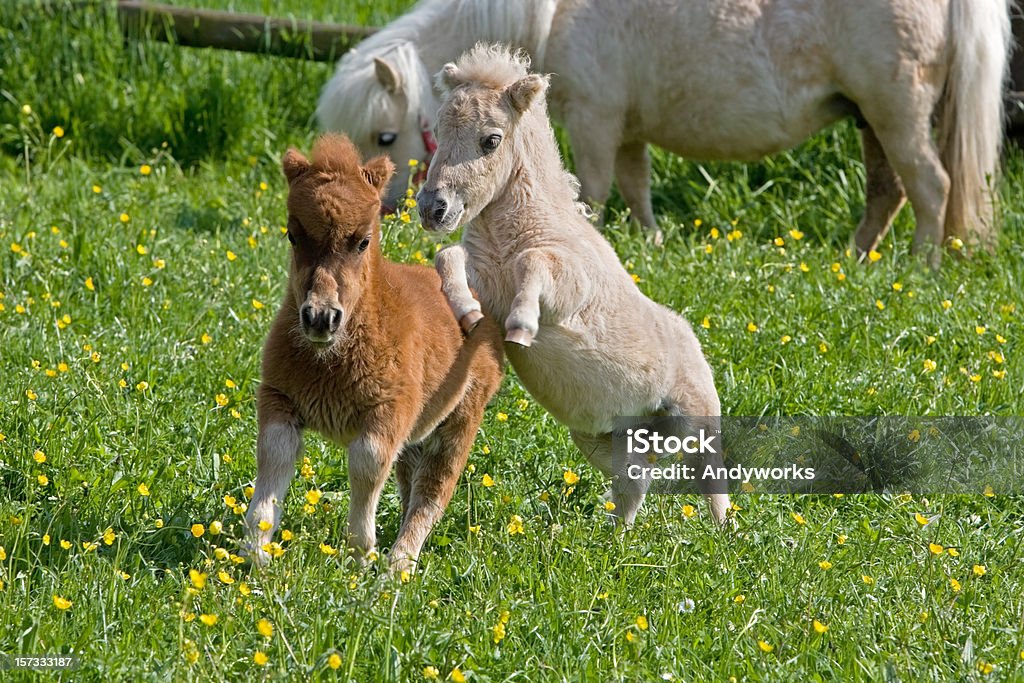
{"points": [[520, 337], [469, 321]]}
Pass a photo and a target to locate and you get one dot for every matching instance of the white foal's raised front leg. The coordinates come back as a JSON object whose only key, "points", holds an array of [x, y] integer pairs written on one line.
{"points": [[277, 448], [450, 264], [539, 289]]}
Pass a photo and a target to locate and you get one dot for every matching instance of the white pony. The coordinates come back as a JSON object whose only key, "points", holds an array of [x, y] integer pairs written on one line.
{"points": [[722, 79], [585, 342]]}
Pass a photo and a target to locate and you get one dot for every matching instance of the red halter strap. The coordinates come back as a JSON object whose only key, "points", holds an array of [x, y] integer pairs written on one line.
{"points": [[429, 146]]}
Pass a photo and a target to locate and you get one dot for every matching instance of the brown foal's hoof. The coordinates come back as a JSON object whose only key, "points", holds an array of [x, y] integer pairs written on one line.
{"points": [[520, 337], [469, 321]]}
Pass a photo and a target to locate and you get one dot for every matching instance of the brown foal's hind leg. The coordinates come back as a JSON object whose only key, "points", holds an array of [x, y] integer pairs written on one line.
{"points": [[405, 471], [444, 456], [884, 194]]}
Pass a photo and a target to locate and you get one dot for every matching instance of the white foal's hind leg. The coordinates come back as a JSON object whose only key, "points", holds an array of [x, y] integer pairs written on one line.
{"points": [[450, 264], [633, 176], [884, 195], [277, 448], [627, 492]]}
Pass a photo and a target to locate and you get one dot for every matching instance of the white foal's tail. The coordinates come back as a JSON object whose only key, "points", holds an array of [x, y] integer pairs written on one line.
{"points": [[971, 115]]}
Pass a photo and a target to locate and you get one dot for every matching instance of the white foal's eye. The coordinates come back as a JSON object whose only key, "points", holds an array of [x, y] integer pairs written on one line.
{"points": [[490, 143], [386, 139]]}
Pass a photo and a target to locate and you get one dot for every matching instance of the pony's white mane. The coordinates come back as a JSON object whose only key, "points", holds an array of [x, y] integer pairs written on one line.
{"points": [[417, 44], [353, 95]]}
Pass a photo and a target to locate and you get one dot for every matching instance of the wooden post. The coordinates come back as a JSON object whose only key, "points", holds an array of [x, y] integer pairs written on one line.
{"points": [[234, 31]]}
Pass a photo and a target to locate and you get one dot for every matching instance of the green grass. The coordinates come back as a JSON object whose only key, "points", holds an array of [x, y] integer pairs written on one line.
{"points": [[182, 318]]}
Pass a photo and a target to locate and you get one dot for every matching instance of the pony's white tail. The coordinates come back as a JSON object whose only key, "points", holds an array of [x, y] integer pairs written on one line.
{"points": [[971, 115]]}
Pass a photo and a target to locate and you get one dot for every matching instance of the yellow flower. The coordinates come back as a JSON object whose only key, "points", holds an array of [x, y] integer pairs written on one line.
{"points": [[216, 527], [825, 565], [244, 589], [979, 570], [257, 304], [946, 304], [109, 536], [431, 673], [124, 218], [58, 132], [231, 255], [198, 530], [260, 658], [874, 256], [313, 496], [715, 234], [197, 578], [979, 329], [31, 395], [334, 661], [287, 535], [159, 523], [765, 647], [955, 585], [273, 549], [798, 518], [515, 525], [46, 539], [66, 545], [208, 619], [264, 525], [804, 268], [751, 327], [570, 477], [989, 492], [984, 667], [779, 242], [221, 400], [918, 517], [936, 549], [501, 417], [929, 365], [147, 281], [142, 386], [739, 599], [43, 480], [1001, 339], [609, 505], [498, 632], [265, 628], [457, 676], [141, 249], [819, 627], [230, 384], [956, 244], [879, 304], [3, 554], [796, 234], [61, 603], [689, 511], [822, 347], [734, 235], [641, 622], [867, 579], [487, 481], [39, 457], [205, 339]]}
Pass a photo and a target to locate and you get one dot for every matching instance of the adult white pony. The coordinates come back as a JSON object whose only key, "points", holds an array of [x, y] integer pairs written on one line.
{"points": [[725, 80], [585, 342]]}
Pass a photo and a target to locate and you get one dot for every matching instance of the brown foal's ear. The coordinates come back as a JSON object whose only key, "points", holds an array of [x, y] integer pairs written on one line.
{"points": [[523, 92], [378, 172], [294, 164]]}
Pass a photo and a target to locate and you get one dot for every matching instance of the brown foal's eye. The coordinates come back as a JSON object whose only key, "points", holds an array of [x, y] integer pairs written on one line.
{"points": [[364, 244], [291, 237]]}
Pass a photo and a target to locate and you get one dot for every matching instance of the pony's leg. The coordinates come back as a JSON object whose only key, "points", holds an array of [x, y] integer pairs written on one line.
{"points": [[911, 151], [594, 143], [445, 453], [540, 284], [405, 469], [369, 463], [633, 176], [627, 492], [277, 448], [450, 264], [884, 196], [715, 492]]}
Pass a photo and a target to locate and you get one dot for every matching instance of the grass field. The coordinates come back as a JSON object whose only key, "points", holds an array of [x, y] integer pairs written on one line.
{"points": [[141, 261]]}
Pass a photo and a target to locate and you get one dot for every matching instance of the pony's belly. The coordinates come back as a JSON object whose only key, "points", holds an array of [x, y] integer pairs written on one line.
{"points": [[584, 388]]}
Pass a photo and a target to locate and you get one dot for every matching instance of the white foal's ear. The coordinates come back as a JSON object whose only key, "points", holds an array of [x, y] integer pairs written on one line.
{"points": [[387, 75], [378, 172], [448, 77], [294, 164], [523, 92]]}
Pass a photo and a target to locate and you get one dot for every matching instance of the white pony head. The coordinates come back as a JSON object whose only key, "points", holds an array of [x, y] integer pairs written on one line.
{"points": [[381, 97]]}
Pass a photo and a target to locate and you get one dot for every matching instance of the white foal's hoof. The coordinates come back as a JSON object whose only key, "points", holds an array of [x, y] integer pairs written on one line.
{"points": [[469, 321], [520, 337]]}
